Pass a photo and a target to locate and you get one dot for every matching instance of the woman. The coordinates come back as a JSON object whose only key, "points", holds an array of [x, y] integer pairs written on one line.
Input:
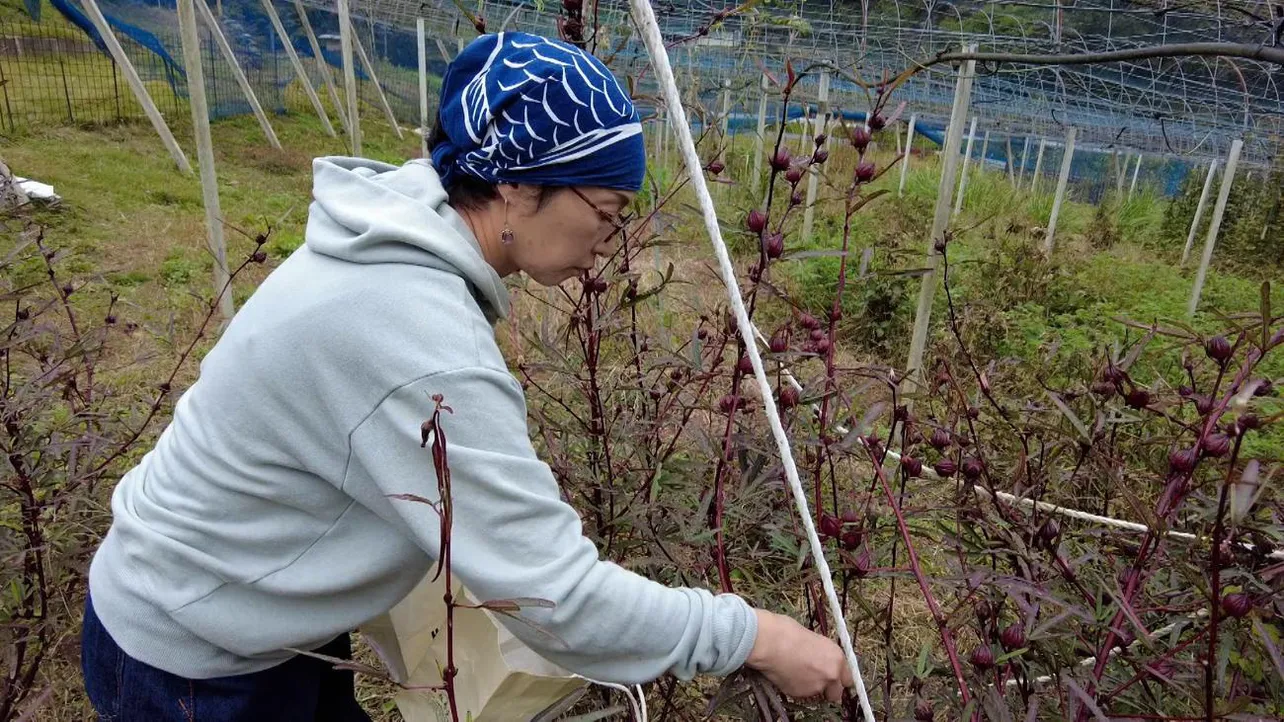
{"points": [[264, 519]]}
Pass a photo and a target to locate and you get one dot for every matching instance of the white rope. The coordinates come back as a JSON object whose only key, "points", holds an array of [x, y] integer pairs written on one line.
{"points": [[894, 457], [639, 713], [645, 18]]}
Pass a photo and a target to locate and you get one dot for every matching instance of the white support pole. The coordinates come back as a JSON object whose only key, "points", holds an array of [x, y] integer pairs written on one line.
{"points": [[1199, 211], [136, 85], [346, 36], [1136, 170], [985, 150], [899, 149], [221, 41], [909, 146], [967, 156], [423, 87], [726, 121], [1066, 160], [1038, 165], [383, 99], [298, 68], [323, 68], [1025, 155], [1122, 172], [1010, 162], [205, 153], [759, 139], [1215, 225], [813, 172], [953, 139]]}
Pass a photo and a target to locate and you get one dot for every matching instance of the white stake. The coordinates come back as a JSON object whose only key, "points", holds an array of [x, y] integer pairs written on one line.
{"points": [[298, 68], [346, 36], [1038, 166], [813, 172], [1066, 160], [323, 68], [1025, 155], [759, 140], [967, 157], [1223, 195], [1136, 169], [221, 41], [423, 86], [205, 153], [136, 85], [909, 146], [927, 290], [1199, 211]]}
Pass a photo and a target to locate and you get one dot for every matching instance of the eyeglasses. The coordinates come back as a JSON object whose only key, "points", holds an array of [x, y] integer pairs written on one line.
{"points": [[618, 221]]}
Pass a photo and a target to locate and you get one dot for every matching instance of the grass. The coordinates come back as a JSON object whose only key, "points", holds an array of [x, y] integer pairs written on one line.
{"points": [[138, 223]]}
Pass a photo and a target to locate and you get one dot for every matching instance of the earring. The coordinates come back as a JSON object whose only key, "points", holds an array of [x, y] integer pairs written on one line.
{"points": [[506, 235]]}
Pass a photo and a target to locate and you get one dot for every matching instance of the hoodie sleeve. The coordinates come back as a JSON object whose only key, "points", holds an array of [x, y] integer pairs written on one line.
{"points": [[513, 536]]}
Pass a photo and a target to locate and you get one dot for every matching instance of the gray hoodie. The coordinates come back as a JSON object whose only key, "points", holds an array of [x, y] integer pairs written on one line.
{"points": [[262, 519]]}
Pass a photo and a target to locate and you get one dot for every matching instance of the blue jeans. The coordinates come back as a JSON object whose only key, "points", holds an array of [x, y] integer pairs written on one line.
{"points": [[303, 689]]}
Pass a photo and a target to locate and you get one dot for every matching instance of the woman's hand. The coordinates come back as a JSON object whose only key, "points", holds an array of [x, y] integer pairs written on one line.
{"points": [[797, 660]]}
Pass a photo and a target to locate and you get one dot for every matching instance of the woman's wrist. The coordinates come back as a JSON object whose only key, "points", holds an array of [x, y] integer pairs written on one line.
{"points": [[765, 640]]}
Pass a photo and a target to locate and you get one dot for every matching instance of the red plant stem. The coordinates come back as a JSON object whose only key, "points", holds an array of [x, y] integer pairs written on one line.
{"points": [[1169, 654], [947, 639], [1215, 586]]}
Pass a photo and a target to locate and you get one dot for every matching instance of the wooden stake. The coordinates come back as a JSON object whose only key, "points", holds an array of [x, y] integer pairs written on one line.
{"points": [[346, 36], [298, 68], [1136, 169], [136, 85], [1215, 225], [759, 139], [205, 152], [909, 147], [1025, 155], [322, 66], [1066, 160], [221, 41], [383, 99], [1123, 173], [985, 150], [813, 172], [423, 87], [1011, 163], [726, 122], [1038, 165], [1199, 211], [967, 156], [940, 222]]}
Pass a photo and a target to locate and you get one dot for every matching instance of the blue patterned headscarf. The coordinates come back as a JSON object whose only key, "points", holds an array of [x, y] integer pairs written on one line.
{"points": [[521, 108]]}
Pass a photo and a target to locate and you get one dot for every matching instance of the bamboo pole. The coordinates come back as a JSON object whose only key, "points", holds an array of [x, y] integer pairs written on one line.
{"points": [[967, 156], [205, 153], [1066, 160], [383, 99], [136, 85], [909, 147], [1215, 225], [813, 172], [1199, 211], [759, 139], [322, 66], [221, 41], [423, 87], [346, 36], [927, 290], [298, 68]]}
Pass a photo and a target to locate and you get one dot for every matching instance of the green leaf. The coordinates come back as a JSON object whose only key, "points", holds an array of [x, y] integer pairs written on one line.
{"points": [[1010, 655], [924, 666]]}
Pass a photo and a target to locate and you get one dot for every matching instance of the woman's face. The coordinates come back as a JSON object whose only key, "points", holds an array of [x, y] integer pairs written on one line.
{"points": [[564, 237]]}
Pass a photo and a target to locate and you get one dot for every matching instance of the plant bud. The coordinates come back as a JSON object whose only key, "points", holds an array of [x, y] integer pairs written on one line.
{"points": [[715, 167], [1263, 388], [1138, 398], [1185, 391], [702, 334], [1049, 532], [788, 397], [816, 334], [860, 138], [822, 346], [744, 365], [820, 139], [1013, 637], [1103, 388], [877, 122], [923, 711], [912, 466], [945, 468], [983, 610], [258, 257], [1182, 461], [23, 314], [829, 526], [794, 175], [972, 468], [1216, 445], [940, 439], [111, 319], [862, 564], [820, 156], [865, 171], [1248, 422], [851, 540], [779, 341], [1203, 404], [795, 198], [1218, 349], [727, 403], [656, 393], [808, 321], [781, 160], [600, 285], [982, 658], [775, 245], [973, 413], [1112, 374], [756, 221], [573, 6], [68, 289], [1237, 605]]}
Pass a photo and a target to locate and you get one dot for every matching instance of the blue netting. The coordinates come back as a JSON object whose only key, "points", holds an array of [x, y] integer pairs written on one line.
{"points": [[145, 39]]}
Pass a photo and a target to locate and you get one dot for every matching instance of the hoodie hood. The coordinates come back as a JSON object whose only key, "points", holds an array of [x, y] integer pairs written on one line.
{"points": [[365, 211]]}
